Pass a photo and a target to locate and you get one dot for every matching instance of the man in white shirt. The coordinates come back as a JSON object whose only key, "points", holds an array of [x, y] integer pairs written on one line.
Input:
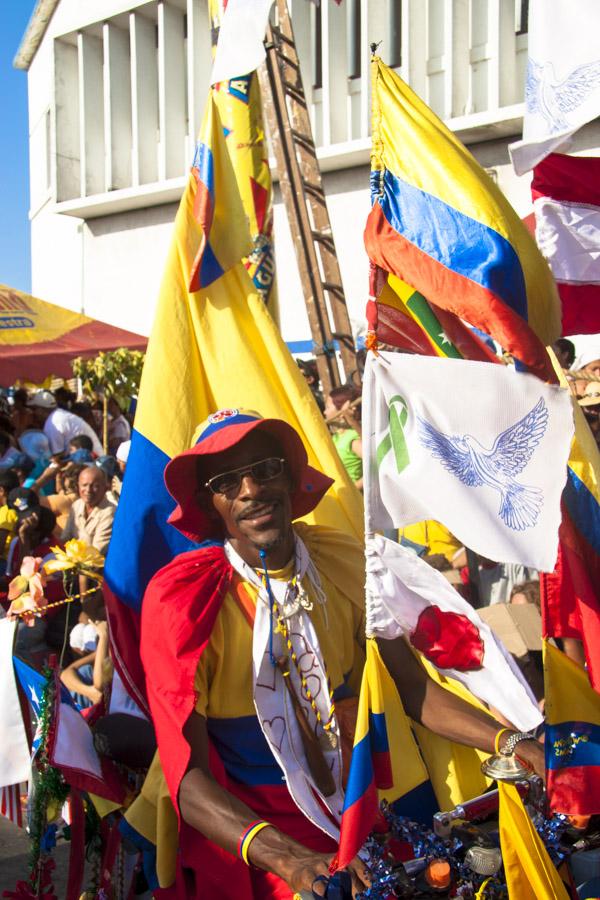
{"points": [[59, 425], [119, 429]]}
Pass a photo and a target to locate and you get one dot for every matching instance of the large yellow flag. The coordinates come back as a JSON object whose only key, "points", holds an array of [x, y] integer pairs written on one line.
{"points": [[529, 871], [214, 343]]}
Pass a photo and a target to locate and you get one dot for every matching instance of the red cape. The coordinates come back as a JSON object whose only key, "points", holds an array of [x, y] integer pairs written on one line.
{"points": [[180, 608]]}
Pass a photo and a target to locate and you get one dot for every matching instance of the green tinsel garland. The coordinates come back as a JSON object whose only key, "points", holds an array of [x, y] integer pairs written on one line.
{"points": [[47, 784]]}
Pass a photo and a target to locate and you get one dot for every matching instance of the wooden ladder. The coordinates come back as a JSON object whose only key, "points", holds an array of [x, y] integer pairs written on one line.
{"points": [[291, 136]]}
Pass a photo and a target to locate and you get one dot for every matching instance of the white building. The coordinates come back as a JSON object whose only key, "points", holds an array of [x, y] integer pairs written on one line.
{"points": [[116, 94]]}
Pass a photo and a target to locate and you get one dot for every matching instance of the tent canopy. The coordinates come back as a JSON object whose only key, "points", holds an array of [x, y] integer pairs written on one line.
{"points": [[38, 339]]}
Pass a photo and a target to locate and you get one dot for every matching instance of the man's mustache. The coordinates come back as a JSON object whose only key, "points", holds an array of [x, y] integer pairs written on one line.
{"points": [[255, 509]]}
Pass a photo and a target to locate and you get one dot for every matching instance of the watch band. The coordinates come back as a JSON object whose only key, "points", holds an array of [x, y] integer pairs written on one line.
{"points": [[512, 741]]}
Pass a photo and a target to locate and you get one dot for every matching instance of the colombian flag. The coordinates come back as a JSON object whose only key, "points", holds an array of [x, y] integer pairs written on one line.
{"points": [[530, 873], [214, 344], [439, 223], [572, 740], [570, 601], [375, 772]]}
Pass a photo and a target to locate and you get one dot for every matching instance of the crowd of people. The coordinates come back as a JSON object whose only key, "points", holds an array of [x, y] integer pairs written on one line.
{"points": [[245, 480], [58, 484]]}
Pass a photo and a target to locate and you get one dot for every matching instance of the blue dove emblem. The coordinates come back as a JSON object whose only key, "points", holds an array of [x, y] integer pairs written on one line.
{"points": [[475, 465], [554, 99]]}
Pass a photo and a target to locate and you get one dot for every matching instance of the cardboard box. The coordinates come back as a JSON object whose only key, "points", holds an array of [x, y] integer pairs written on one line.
{"points": [[519, 626]]}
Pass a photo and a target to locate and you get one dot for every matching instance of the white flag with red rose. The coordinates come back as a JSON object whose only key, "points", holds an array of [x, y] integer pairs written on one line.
{"points": [[406, 596]]}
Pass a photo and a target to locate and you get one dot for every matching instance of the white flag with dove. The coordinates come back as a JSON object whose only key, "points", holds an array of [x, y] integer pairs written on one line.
{"points": [[562, 85], [482, 449]]}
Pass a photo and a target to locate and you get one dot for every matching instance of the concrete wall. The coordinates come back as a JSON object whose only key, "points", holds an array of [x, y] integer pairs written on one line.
{"points": [[116, 91]]}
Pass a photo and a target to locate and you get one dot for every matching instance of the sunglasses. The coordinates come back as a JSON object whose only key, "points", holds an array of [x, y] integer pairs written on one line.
{"points": [[261, 471]]}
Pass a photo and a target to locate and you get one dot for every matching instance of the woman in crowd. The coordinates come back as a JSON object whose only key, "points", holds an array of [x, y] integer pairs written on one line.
{"points": [[342, 414]]}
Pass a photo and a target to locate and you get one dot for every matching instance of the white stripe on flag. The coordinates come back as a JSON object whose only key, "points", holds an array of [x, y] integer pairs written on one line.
{"points": [[240, 48], [10, 803], [568, 234], [14, 749]]}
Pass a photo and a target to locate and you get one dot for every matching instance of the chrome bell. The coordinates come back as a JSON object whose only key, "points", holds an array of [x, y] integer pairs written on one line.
{"points": [[506, 767]]}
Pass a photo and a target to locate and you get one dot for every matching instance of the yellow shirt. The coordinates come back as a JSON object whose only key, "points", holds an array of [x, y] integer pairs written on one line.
{"points": [[432, 535], [8, 523], [224, 674]]}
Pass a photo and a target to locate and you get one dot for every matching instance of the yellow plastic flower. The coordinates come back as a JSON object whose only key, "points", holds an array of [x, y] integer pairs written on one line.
{"points": [[77, 555]]}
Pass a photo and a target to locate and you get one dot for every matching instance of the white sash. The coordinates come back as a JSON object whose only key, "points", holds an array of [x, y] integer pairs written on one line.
{"points": [[272, 701]]}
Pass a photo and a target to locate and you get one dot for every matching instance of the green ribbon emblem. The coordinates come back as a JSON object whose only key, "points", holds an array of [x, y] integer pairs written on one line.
{"points": [[394, 438]]}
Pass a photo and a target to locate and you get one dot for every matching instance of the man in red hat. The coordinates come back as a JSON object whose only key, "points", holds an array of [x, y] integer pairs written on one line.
{"points": [[253, 651]]}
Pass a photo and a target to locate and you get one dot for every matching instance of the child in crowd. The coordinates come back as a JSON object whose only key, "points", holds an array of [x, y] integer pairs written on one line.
{"points": [[81, 449], [342, 414], [66, 493], [88, 676]]}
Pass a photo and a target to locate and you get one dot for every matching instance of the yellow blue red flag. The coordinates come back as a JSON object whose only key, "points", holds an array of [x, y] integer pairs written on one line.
{"points": [[530, 873], [570, 600], [572, 738], [214, 344], [439, 223], [376, 773]]}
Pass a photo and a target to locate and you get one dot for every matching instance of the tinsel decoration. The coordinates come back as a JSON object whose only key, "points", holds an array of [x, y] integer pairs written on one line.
{"points": [[407, 840], [48, 786]]}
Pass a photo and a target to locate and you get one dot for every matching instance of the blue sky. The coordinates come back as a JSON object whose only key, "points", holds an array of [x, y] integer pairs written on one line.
{"points": [[15, 266]]}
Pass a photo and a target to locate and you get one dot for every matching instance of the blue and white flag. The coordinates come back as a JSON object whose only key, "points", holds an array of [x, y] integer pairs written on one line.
{"points": [[33, 684], [482, 449], [562, 86]]}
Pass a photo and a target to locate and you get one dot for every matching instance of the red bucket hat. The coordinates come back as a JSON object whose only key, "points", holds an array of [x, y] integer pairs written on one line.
{"points": [[221, 431]]}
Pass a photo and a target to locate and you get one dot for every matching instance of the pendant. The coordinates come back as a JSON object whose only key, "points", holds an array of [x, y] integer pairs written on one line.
{"points": [[304, 599], [328, 740]]}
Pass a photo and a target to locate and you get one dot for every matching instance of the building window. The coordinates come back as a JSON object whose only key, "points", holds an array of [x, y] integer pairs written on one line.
{"points": [[354, 38], [395, 33], [48, 138], [521, 16], [317, 45]]}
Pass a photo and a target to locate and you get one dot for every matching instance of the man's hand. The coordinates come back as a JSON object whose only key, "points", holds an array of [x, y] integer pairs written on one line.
{"points": [[532, 752], [300, 868]]}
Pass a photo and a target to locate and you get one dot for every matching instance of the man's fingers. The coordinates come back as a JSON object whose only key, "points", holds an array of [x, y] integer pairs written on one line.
{"points": [[361, 878]]}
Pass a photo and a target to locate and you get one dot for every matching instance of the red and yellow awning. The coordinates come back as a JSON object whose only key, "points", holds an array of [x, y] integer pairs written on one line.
{"points": [[38, 339]]}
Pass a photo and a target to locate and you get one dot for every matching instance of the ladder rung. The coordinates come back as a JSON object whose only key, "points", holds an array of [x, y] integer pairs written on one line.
{"points": [[301, 137], [323, 239], [279, 35], [293, 91], [314, 190], [333, 288], [286, 60]]}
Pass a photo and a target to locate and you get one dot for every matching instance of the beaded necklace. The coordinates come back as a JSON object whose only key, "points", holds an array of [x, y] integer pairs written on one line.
{"points": [[276, 614]]}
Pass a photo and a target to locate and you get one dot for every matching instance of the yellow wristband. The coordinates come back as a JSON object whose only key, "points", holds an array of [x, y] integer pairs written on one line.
{"points": [[497, 739], [249, 837]]}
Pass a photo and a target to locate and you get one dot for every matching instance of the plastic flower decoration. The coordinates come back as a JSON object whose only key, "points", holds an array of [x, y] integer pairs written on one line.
{"points": [[78, 557], [26, 591]]}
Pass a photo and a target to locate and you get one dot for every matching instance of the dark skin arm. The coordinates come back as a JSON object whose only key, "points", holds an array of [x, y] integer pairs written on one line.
{"points": [[222, 818], [429, 704]]}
